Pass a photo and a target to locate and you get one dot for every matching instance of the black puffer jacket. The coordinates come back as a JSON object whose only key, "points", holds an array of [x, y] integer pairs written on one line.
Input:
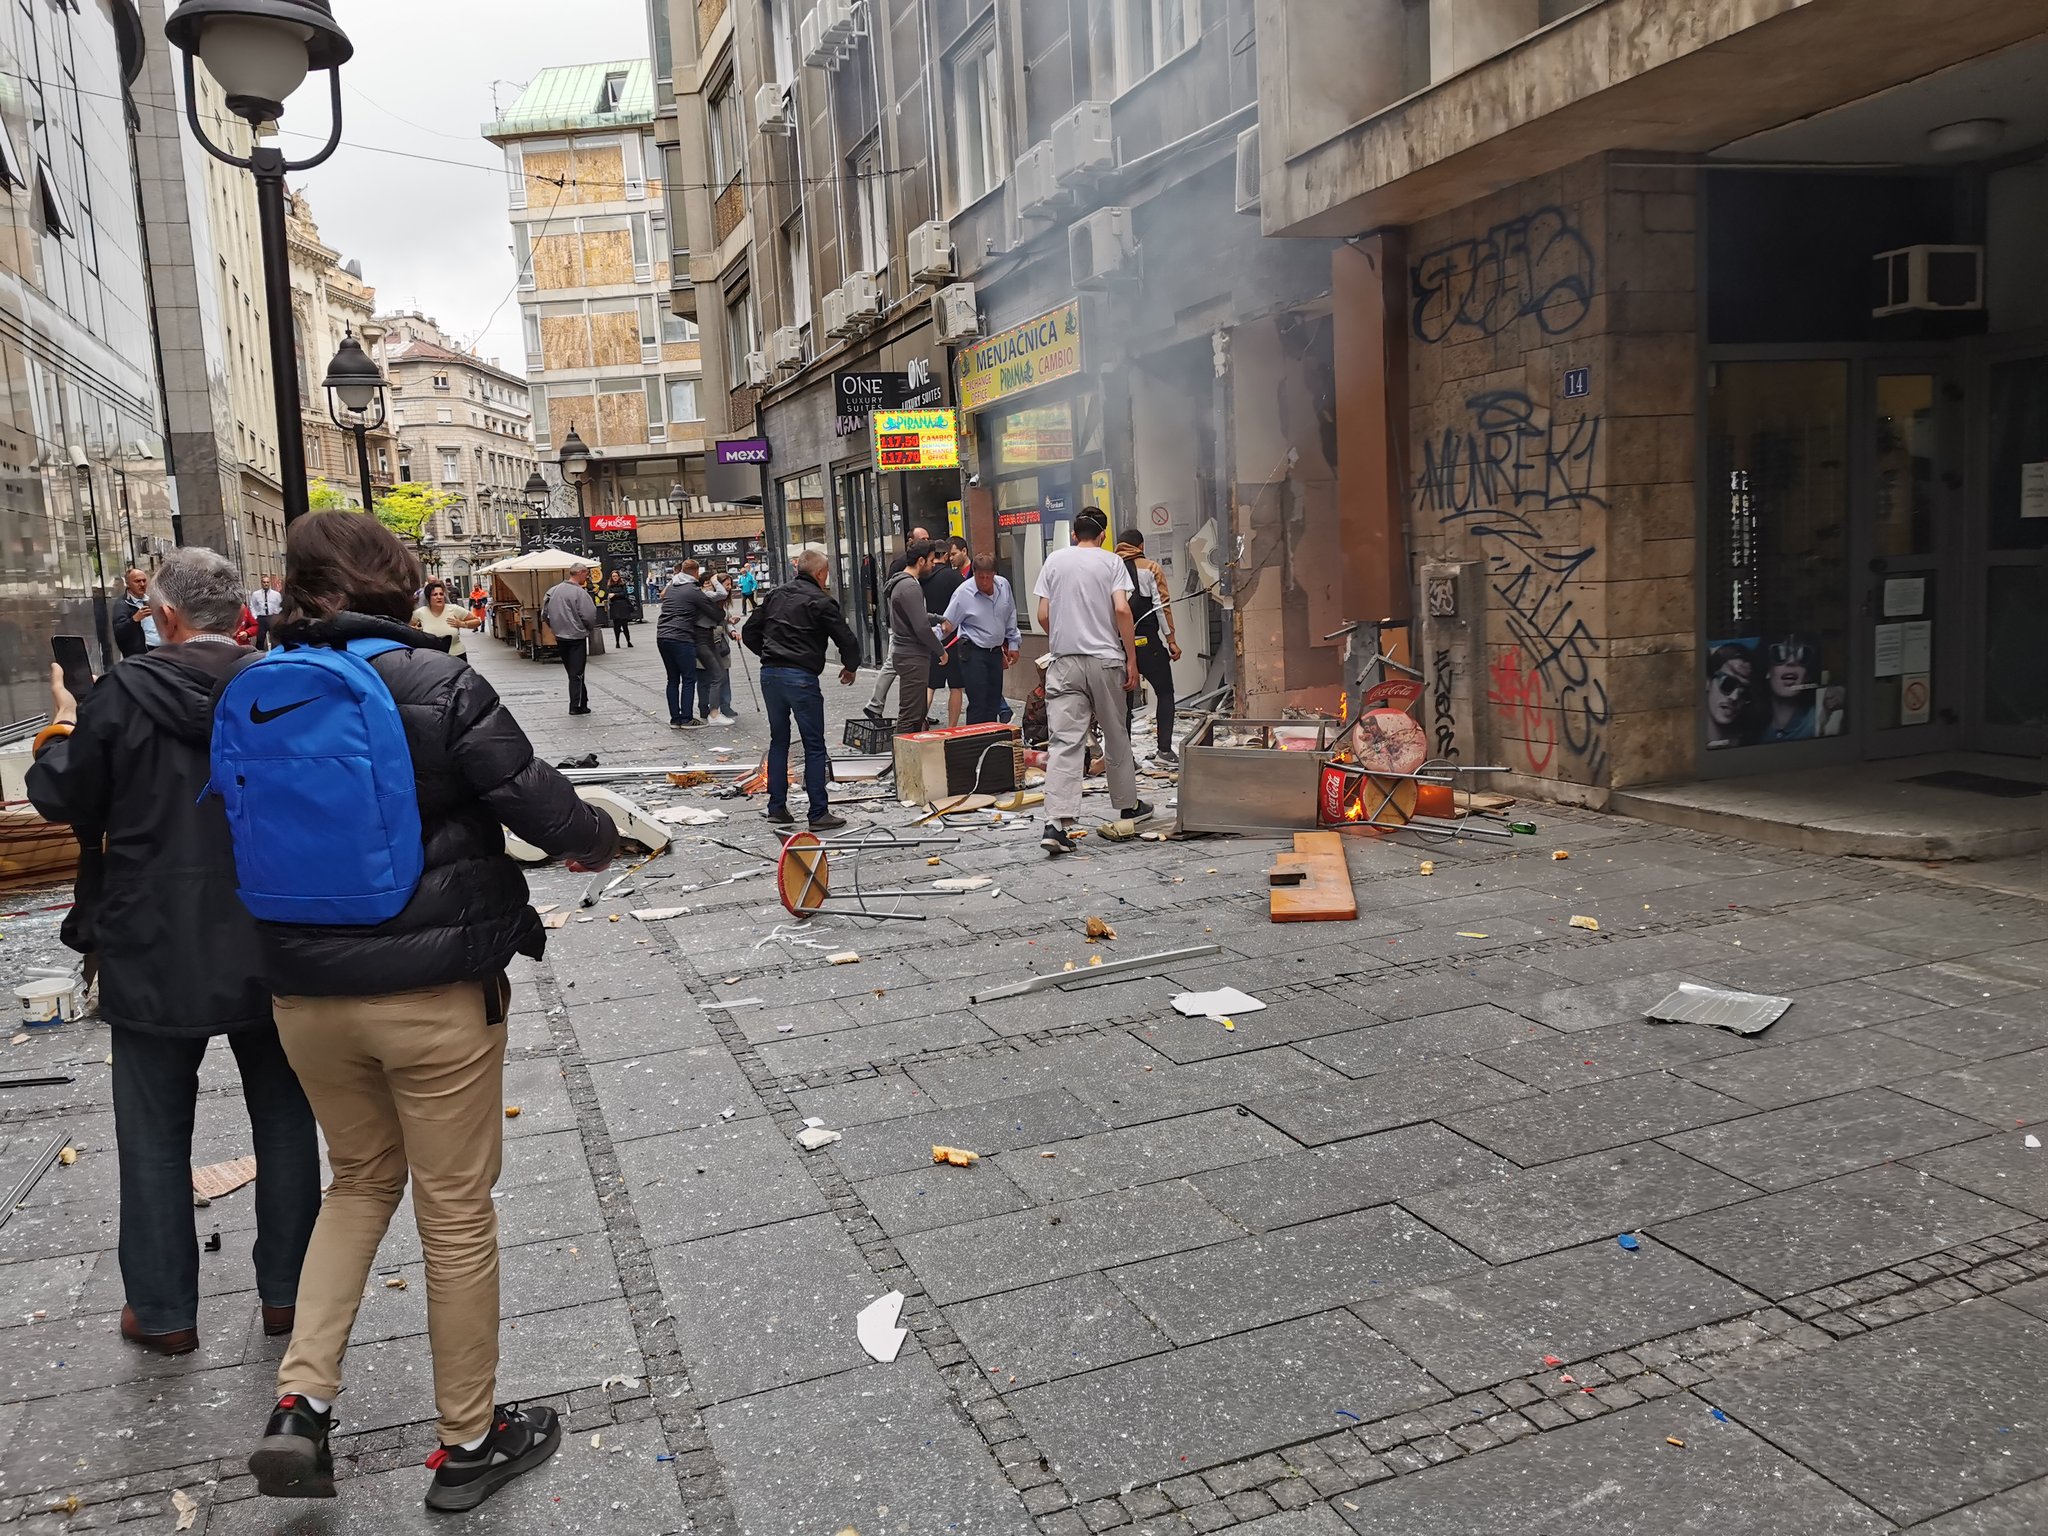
{"points": [[476, 774], [793, 625], [178, 954]]}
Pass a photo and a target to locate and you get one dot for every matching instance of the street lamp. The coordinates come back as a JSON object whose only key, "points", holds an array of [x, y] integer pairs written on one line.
{"points": [[678, 498], [260, 51], [538, 493], [354, 385], [574, 458]]}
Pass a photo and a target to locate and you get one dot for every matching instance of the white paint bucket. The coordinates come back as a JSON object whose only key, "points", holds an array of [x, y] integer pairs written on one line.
{"points": [[47, 1001]]}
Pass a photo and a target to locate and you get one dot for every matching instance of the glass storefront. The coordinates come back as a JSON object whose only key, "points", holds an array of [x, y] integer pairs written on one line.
{"points": [[2015, 704], [1047, 460]]}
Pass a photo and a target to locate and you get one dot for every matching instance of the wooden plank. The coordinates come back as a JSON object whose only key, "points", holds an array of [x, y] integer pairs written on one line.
{"points": [[1325, 896]]}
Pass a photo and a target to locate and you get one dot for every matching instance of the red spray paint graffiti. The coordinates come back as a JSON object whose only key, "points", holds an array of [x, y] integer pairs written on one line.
{"points": [[1516, 692]]}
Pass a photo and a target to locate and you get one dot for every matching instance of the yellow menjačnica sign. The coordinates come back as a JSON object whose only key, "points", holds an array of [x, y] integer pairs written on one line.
{"points": [[1036, 352], [916, 439]]}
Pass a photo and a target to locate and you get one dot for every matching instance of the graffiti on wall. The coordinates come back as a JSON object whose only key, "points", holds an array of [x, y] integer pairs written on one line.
{"points": [[1537, 265], [1443, 705], [1512, 477]]}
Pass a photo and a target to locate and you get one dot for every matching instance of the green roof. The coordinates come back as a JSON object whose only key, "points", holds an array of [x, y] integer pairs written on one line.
{"points": [[572, 96]]}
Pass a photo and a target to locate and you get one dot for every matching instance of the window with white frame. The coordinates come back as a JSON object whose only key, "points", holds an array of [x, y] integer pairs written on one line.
{"points": [[1150, 33], [657, 409], [650, 329], [675, 328], [726, 141], [532, 318], [515, 175], [974, 103], [867, 221], [797, 266], [742, 335], [682, 401], [612, 92], [782, 40], [451, 466]]}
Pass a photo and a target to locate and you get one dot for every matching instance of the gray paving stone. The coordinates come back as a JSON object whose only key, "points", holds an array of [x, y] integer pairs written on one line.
{"points": [[1838, 1006], [1061, 1328], [897, 1146], [1290, 1273], [1406, 996], [1317, 1520], [825, 1454], [641, 1025], [1346, 1176], [1974, 1034], [872, 1043], [935, 1195], [1787, 1243], [1003, 1253], [1061, 1066], [1142, 1154], [767, 1307], [72, 1355], [1787, 1147], [2012, 1090], [1284, 1021], [674, 1091], [2030, 1298], [1617, 1475], [1497, 1325], [1573, 1009], [1953, 982], [542, 1096], [2000, 1167], [1563, 1204], [749, 1176], [2021, 1511], [1777, 1075], [1622, 957], [1424, 1038], [1612, 1050], [1811, 965], [1390, 1099], [1914, 1420], [532, 1278], [1593, 1118], [1216, 1402], [863, 1102]]}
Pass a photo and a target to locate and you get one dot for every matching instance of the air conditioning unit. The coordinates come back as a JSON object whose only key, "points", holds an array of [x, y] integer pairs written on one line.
{"points": [[956, 313], [863, 300], [1248, 170], [1102, 246], [827, 33], [931, 252], [1928, 277], [1082, 146], [756, 368], [786, 347], [810, 42], [1037, 189], [771, 107], [832, 310], [841, 21]]}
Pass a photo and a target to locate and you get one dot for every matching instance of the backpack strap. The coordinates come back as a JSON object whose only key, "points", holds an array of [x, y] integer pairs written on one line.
{"points": [[374, 646]]}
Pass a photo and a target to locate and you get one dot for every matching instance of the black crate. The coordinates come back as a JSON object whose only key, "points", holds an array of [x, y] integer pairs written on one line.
{"points": [[864, 735]]}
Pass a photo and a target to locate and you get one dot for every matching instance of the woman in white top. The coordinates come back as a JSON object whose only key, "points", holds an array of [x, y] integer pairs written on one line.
{"points": [[437, 618]]}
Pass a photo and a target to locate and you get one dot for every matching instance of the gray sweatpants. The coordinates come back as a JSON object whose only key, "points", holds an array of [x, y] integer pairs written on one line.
{"points": [[1079, 689], [888, 678]]}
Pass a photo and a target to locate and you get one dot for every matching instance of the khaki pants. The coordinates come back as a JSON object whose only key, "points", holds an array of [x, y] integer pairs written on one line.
{"points": [[1078, 688], [409, 1081]]}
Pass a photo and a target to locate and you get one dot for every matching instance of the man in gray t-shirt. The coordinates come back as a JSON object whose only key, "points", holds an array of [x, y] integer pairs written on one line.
{"points": [[1084, 607], [569, 611]]}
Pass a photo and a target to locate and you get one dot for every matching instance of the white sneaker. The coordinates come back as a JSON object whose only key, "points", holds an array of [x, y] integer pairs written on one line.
{"points": [[722, 718]]}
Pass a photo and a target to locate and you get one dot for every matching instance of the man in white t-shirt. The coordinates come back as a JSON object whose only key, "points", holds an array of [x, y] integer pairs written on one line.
{"points": [[1084, 607]]}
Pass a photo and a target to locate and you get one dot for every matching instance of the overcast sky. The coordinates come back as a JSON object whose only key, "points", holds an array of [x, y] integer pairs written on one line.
{"points": [[434, 237]]}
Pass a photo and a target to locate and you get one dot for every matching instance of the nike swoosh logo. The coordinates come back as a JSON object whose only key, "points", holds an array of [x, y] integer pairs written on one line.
{"points": [[258, 715]]}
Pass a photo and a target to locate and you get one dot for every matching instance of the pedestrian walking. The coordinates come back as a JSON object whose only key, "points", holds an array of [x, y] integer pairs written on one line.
{"points": [[677, 633], [915, 654], [789, 632], [983, 613], [1084, 607], [391, 993], [723, 587], [1158, 647], [749, 584], [125, 768], [619, 602], [479, 602], [880, 698], [698, 599], [134, 625], [569, 611], [442, 619], [264, 602], [947, 575]]}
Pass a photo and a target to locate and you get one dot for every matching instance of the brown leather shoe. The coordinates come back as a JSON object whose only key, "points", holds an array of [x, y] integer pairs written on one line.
{"points": [[279, 1320], [180, 1341]]}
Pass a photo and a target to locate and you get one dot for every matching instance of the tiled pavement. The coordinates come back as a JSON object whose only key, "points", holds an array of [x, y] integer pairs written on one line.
{"points": [[1351, 1266]]}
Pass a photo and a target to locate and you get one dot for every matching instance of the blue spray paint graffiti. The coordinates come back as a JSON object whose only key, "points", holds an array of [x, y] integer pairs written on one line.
{"points": [[1537, 265]]}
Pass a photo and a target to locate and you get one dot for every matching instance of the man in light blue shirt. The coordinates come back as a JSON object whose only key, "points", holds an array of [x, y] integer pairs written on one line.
{"points": [[983, 616]]}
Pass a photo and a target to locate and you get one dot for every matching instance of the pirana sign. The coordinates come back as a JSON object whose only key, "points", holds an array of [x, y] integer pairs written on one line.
{"points": [[1036, 352], [916, 439]]}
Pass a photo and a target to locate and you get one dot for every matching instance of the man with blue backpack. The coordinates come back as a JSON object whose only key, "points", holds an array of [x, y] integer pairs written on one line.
{"points": [[368, 777]]}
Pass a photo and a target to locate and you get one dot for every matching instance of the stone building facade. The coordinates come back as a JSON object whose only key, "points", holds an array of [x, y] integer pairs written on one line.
{"points": [[329, 300]]}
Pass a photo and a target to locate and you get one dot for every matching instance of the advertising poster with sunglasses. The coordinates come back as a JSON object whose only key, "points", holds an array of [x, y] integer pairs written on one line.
{"points": [[1766, 690]]}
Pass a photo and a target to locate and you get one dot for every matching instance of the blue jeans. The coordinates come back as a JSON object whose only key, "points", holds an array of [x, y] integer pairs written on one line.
{"points": [[980, 669], [156, 1091], [679, 661], [787, 691]]}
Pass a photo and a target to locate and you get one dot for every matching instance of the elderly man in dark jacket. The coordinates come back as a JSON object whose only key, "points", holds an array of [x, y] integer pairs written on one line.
{"points": [[789, 632], [177, 953]]}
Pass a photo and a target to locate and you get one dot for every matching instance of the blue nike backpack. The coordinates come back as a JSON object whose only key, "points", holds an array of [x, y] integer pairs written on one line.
{"points": [[311, 763]]}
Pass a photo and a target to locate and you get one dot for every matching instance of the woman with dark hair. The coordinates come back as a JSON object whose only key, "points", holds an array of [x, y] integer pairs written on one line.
{"points": [[396, 1029], [435, 617]]}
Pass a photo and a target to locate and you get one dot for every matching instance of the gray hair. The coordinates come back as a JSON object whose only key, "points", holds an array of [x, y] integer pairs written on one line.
{"points": [[204, 589], [810, 562], [985, 563]]}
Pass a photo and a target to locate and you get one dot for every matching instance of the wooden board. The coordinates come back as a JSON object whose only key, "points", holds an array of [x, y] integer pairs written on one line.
{"points": [[1325, 896]]}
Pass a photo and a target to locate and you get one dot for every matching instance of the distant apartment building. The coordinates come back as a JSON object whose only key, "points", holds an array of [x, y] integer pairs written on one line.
{"points": [[465, 428], [330, 300]]}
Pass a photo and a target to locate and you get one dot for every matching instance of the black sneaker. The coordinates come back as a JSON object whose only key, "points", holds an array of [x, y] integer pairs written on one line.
{"points": [[520, 1440], [780, 816], [293, 1460], [872, 711], [688, 725], [1167, 756], [1054, 839], [831, 821], [1139, 812]]}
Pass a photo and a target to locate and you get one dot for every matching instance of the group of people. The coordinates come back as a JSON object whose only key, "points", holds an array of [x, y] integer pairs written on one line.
{"points": [[388, 1032]]}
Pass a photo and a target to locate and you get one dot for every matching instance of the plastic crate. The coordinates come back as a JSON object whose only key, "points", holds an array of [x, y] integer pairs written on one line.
{"points": [[864, 735]]}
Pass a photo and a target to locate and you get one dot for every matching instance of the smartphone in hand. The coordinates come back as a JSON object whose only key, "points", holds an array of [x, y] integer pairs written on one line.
{"points": [[69, 652]]}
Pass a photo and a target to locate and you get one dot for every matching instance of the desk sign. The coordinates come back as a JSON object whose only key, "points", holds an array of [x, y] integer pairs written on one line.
{"points": [[916, 439]]}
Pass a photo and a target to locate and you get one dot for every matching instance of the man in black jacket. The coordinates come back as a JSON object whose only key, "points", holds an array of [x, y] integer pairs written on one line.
{"points": [[915, 655], [788, 632], [177, 952], [132, 615], [397, 1030]]}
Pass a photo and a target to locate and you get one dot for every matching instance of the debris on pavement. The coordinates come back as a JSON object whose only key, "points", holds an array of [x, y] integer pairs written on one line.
{"points": [[1219, 1004], [1098, 929], [686, 816], [658, 914], [187, 1508], [958, 1157], [1628, 1240], [961, 882], [68, 1156], [875, 1326], [1741, 1013], [1428, 866], [394, 1282], [1590, 924], [1560, 854], [812, 1137], [1674, 1440], [628, 816], [212, 1243], [2033, 1142], [844, 957], [1136, 963], [217, 1179]]}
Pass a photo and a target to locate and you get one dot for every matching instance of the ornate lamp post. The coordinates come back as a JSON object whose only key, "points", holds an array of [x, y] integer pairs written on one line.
{"points": [[354, 386], [538, 493], [574, 457], [260, 51]]}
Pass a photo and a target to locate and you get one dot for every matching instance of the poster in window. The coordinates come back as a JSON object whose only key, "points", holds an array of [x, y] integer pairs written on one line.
{"points": [[1760, 692]]}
